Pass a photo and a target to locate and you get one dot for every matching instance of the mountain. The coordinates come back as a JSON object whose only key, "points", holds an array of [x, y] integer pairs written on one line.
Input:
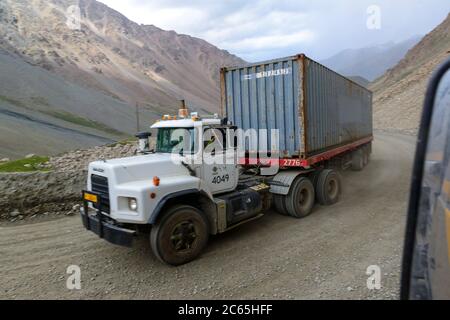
{"points": [[399, 93], [89, 79], [371, 62], [360, 80]]}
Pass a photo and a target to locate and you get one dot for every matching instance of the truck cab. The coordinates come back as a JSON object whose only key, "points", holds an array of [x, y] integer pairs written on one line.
{"points": [[178, 189]]}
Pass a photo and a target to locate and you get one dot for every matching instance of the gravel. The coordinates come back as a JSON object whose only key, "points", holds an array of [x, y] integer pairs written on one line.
{"points": [[324, 256]]}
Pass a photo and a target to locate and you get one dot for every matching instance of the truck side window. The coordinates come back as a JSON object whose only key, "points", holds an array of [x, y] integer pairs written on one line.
{"points": [[214, 135]]}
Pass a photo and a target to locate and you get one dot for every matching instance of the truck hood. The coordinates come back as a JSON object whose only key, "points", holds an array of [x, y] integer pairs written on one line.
{"points": [[137, 168]]}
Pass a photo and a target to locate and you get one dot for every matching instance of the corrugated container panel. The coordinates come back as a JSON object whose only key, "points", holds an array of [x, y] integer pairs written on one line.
{"points": [[258, 99], [338, 111], [313, 107]]}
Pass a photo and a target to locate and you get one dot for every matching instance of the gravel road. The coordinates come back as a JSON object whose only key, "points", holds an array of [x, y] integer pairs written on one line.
{"points": [[324, 256]]}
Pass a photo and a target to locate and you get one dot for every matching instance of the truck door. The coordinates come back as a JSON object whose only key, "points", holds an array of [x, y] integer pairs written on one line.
{"points": [[220, 170]]}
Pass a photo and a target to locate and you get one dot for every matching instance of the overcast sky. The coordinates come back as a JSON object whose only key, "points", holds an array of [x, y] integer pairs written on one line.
{"points": [[265, 29]]}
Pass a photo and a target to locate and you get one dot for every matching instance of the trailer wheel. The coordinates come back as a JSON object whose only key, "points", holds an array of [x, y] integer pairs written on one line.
{"points": [[314, 177], [357, 160], [300, 199], [180, 236], [328, 187], [279, 203]]}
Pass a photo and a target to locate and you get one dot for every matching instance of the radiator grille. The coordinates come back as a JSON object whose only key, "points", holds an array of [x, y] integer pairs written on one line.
{"points": [[99, 185]]}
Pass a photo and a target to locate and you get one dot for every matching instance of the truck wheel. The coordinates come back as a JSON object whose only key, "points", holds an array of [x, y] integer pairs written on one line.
{"points": [[279, 203], [180, 236], [300, 199], [328, 187], [357, 160]]}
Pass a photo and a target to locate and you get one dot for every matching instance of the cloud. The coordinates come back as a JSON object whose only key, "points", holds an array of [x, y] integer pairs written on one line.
{"points": [[265, 29], [270, 41]]}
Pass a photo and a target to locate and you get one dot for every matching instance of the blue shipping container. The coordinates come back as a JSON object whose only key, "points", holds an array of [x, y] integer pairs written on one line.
{"points": [[314, 108]]}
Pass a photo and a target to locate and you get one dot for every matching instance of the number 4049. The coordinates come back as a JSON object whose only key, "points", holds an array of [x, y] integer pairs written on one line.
{"points": [[220, 179]]}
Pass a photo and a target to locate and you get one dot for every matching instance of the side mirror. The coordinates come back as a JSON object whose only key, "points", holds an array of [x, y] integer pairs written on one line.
{"points": [[144, 144], [426, 256]]}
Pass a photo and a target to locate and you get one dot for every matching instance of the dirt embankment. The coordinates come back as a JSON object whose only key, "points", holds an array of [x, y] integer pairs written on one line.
{"points": [[29, 195]]}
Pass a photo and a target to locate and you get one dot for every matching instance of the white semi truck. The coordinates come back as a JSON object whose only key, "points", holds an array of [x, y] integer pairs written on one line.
{"points": [[181, 192]]}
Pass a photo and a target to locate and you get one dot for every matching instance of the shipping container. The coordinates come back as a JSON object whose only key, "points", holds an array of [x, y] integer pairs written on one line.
{"points": [[314, 108]]}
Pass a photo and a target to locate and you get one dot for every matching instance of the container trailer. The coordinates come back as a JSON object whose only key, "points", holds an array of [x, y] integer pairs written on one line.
{"points": [[205, 176], [315, 109]]}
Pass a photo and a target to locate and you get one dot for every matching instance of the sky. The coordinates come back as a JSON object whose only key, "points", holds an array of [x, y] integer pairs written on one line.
{"points": [[257, 30]]}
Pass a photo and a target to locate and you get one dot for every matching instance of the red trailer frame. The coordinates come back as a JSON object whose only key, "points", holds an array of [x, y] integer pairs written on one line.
{"points": [[308, 162]]}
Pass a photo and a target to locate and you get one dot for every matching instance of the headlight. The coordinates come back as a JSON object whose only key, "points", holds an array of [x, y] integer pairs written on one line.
{"points": [[132, 204]]}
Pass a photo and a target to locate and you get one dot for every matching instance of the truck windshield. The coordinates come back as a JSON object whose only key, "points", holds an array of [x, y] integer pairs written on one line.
{"points": [[175, 140]]}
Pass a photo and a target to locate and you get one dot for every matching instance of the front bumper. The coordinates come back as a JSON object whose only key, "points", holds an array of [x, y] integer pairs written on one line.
{"points": [[105, 229]]}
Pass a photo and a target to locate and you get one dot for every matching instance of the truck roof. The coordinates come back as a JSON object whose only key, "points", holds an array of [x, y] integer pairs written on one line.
{"points": [[184, 123]]}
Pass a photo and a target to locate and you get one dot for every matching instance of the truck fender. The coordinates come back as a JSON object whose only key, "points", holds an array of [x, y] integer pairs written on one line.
{"points": [[283, 180], [158, 209]]}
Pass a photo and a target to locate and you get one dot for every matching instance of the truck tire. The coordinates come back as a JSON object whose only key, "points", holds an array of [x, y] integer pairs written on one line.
{"points": [[367, 154], [279, 204], [365, 157], [180, 235], [301, 197], [328, 189], [314, 177], [357, 160]]}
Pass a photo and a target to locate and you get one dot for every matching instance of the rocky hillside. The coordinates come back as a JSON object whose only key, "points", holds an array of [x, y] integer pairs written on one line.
{"points": [[399, 93], [89, 79], [371, 62], [55, 191], [136, 63], [43, 113]]}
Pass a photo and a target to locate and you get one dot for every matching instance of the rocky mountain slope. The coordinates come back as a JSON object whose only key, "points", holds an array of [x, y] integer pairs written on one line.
{"points": [[43, 113], [399, 93], [371, 62], [89, 79]]}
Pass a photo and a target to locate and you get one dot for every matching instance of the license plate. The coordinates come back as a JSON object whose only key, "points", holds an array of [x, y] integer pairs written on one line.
{"points": [[91, 197]]}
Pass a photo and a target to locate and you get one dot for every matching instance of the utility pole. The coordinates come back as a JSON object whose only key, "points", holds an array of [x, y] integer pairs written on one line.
{"points": [[137, 117]]}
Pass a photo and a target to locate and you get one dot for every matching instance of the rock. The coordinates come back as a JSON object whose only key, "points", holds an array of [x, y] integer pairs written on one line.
{"points": [[31, 155], [27, 165], [76, 208], [349, 289], [14, 213], [5, 160]]}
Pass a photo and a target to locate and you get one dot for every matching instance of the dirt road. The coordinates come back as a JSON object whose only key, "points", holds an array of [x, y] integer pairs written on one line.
{"points": [[322, 256]]}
